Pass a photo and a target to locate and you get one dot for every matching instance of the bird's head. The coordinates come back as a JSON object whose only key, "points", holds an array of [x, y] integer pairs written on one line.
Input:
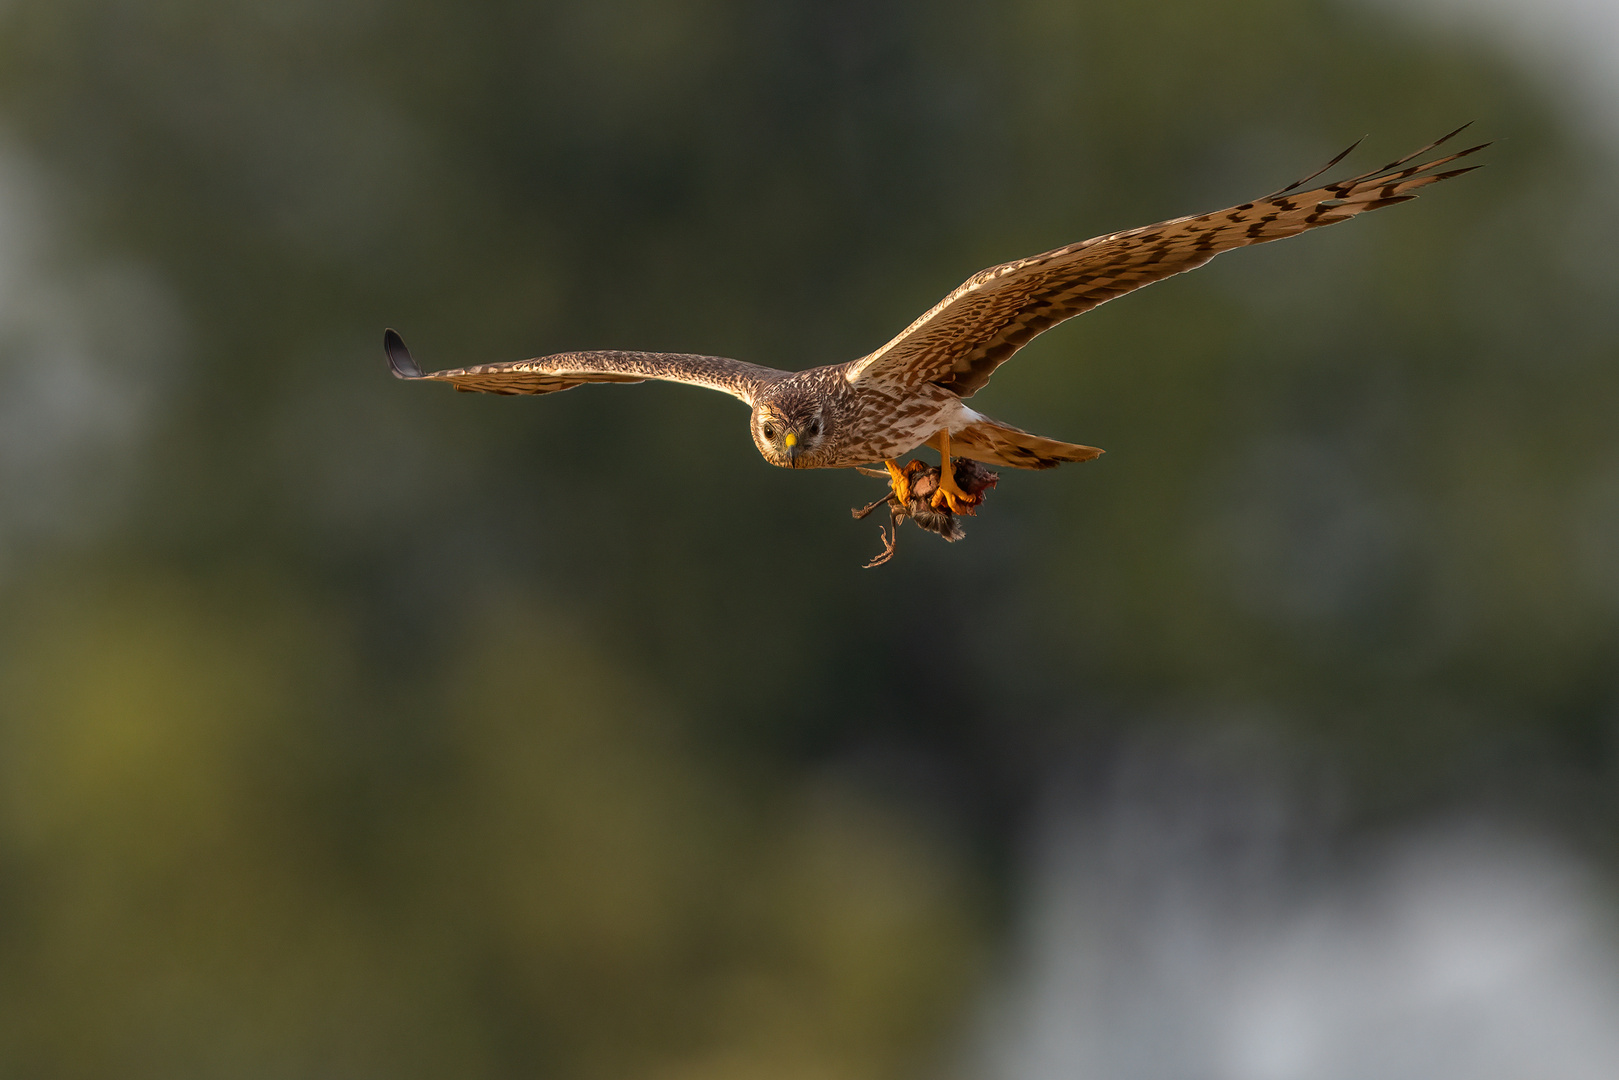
{"points": [[788, 428]]}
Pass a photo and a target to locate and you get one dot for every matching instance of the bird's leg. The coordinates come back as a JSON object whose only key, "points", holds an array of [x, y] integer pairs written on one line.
{"points": [[960, 502], [898, 481]]}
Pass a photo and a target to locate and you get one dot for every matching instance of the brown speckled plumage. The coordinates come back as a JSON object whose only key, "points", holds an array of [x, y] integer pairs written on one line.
{"points": [[901, 396]]}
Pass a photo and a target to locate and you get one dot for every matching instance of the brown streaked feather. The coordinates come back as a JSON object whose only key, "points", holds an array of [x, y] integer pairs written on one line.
{"points": [[967, 335], [995, 443], [564, 371]]}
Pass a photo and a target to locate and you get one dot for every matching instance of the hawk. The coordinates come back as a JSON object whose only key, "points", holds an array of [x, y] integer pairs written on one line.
{"points": [[914, 390]]}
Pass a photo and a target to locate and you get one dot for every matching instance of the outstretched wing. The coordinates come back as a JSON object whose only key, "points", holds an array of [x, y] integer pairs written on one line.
{"points": [[564, 371], [997, 311]]}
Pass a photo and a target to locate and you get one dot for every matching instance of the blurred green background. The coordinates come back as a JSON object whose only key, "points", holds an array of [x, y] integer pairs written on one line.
{"points": [[352, 728]]}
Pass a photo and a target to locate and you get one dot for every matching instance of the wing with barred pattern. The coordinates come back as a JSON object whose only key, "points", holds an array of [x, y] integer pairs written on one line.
{"points": [[971, 332], [564, 371]]}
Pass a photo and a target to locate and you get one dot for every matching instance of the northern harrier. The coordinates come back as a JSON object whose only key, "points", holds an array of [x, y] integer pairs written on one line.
{"points": [[912, 391]]}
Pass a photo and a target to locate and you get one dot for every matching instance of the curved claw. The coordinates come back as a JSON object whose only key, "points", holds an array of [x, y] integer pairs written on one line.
{"points": [[961, 503], [950, 493], [399, 358], [898, 481]]}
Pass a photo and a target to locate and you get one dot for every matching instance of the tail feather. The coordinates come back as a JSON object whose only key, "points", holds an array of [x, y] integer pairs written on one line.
{"points": [[1000, 444]]}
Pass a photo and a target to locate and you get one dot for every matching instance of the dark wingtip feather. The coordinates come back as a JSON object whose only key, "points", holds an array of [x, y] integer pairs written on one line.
{"points": [[399, 358], [1441, 141], [1350, 149]]}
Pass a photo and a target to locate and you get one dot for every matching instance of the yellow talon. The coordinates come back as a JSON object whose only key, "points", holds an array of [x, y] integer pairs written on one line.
{"points": [[898, 481], [949, 492]]}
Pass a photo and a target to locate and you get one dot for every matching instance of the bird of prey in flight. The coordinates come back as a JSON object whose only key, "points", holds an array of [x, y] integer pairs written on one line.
{"points": [[913, 391]]}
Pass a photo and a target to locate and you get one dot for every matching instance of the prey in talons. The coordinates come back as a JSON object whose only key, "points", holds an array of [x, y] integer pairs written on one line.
{"points": [[915, 492]]}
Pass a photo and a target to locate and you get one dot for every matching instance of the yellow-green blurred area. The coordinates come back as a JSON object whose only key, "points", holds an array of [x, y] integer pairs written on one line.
{"points": [[352, 728]]}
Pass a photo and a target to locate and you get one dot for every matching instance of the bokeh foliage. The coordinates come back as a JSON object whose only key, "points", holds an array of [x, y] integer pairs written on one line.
{"points": [[394, 732]]}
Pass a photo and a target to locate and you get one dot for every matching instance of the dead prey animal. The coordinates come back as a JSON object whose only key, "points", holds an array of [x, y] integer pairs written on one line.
{"points": [[911, 495]]}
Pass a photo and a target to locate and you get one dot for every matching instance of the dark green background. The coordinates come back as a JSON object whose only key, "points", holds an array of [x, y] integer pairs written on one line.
{"points": [[374, 730]]}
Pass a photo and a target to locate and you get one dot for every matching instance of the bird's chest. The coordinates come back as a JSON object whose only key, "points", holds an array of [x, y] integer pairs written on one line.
{"points": [[888, 426]]}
